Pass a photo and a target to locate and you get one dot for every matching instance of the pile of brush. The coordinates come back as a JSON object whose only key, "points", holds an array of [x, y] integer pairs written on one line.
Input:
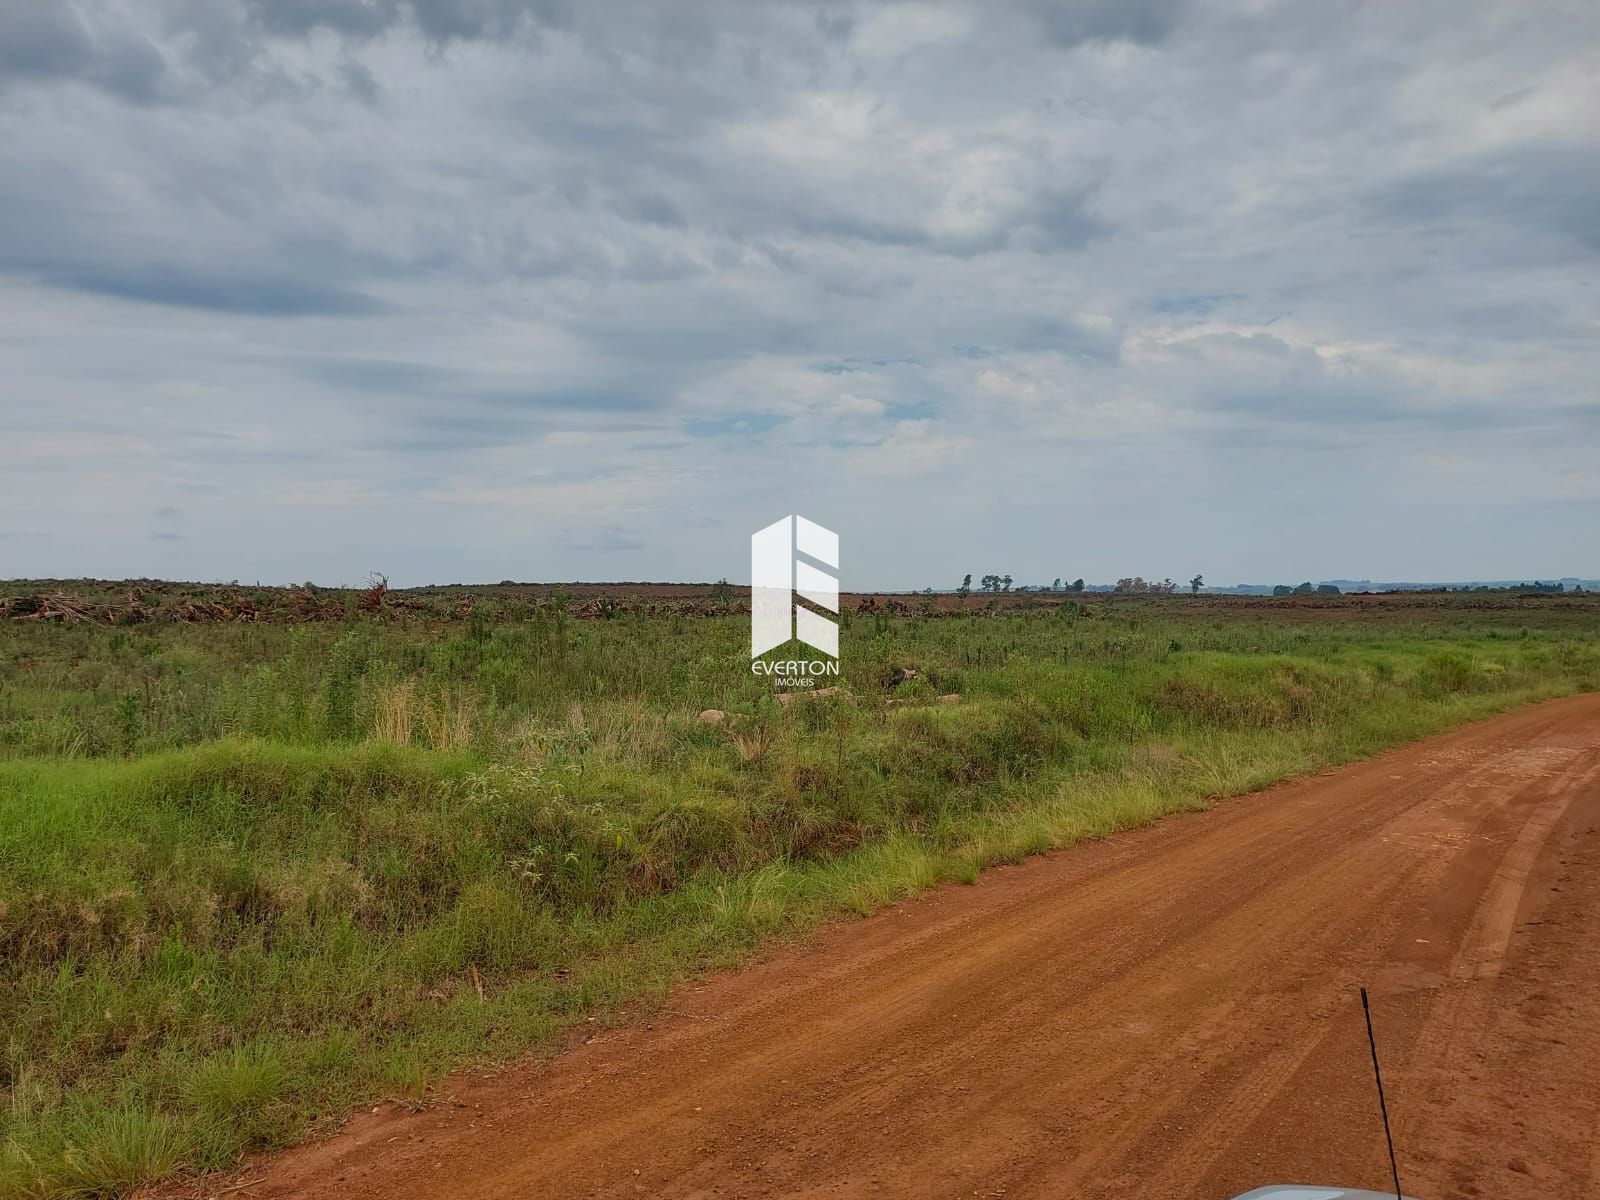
{"points": [[51, 606], [72, 610]]}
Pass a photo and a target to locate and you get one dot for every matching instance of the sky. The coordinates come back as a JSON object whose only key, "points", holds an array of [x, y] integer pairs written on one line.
{"points": [[471, 290]]}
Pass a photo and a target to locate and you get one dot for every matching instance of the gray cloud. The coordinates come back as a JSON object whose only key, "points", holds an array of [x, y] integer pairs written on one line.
{"points": [[360, 81], [1527, 192], [46, 42], [438, 20], [260, 295], [352, 18], [1141, 21], [446, 19], [605, 285]]}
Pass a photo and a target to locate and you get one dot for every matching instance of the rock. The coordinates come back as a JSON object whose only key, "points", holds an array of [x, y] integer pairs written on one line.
{"points": [[712, 716], [950, 698]]}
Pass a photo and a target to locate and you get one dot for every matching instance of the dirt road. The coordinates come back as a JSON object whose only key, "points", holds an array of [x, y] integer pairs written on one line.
{"points": [[1170, 1013]]}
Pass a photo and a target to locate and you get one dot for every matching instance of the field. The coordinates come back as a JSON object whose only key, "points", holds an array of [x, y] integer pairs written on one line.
{"points": [[269, 854]]}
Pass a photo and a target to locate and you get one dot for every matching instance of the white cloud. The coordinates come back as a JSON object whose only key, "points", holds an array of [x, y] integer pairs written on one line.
{"points": [[912, 449]]}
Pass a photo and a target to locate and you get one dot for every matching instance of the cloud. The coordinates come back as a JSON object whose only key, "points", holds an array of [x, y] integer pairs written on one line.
{"points": [[352, 18], [1528, 193], [437, 20], [360, 81], [49, 42], [911, 449], [1144, 22], [43, 40], [227, 292], [427, 408], [595, 287]]}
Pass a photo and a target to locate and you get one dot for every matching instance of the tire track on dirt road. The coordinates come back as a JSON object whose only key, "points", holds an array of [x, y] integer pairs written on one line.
{"points": [[1167, 1013]]}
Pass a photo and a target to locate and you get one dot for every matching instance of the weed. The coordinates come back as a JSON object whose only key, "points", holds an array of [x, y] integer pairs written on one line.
{"points": [[256, 874]]}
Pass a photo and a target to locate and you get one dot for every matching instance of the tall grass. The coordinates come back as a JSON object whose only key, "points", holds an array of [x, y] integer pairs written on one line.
{"points": [[252, 876]]}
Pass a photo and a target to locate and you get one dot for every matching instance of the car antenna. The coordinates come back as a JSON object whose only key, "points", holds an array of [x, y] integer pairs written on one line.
{"points": [[1383, 1107]]}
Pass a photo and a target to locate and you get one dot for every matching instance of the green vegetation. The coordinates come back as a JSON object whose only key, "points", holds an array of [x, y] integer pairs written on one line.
{"points": [[254, 874]]}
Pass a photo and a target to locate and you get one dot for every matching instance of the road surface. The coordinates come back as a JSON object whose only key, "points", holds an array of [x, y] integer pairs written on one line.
{"points": [[1169, 1013]]}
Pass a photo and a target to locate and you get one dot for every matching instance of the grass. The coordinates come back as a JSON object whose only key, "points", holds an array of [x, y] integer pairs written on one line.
{"points": [[251, 876]]}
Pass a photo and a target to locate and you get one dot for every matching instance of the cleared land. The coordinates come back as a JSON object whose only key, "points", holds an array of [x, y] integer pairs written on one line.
{"points": [[270, 857], [1171, 1012]]}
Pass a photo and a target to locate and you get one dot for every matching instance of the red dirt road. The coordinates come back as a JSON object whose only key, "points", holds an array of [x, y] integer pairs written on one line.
{"points": [[1169, 1013]]}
